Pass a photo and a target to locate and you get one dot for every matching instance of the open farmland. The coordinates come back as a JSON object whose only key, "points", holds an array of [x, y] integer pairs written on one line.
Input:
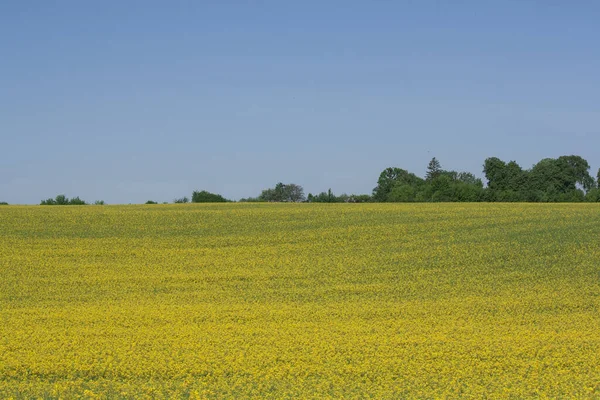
{"points": [[300, 300]]}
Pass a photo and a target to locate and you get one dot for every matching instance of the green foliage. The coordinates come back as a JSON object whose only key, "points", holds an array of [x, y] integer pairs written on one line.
{"points": [[391, 177], [283, 193], [151, 202], [99, 202], [330, 197], [593, 195], [402, 193], [398, 185], [77, 201], [565, 179], [3, 203], [207, 197], [360, 198], [250, 200], [181, 200], [502, 176], [326, 197], [550, 180], [62, 200], [434, 169]]}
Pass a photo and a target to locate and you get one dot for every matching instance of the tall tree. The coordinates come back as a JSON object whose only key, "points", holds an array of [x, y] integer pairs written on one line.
{"points": [[494, 171], [575, 170], [434, 169]]}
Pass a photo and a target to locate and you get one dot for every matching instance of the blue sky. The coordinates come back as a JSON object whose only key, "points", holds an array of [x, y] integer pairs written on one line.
{"points": [[127, 101]]}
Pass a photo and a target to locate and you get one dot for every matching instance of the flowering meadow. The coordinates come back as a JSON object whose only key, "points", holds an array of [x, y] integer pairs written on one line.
{"points": [[300, 301]]}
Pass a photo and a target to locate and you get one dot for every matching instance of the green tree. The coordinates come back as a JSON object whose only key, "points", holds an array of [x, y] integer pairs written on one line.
{"points": [[434, 169], [495, 173], [442, 189], [559, 178], [76, 201], [515, 177], [283, 193], [207, 197], [575, 170], [326, 197], [391, 177], [593, 195], [469, 178], [402, 193], [62, 200], [468, 192]]}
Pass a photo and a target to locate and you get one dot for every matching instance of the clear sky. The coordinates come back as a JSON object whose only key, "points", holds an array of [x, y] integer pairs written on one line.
{"points": [[128, 101]]}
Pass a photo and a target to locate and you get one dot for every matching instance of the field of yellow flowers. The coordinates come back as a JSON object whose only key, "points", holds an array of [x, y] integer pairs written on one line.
{"points": [[300, 301]]}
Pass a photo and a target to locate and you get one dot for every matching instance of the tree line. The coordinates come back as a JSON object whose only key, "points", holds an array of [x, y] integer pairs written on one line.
{"points": [[564, 179]]}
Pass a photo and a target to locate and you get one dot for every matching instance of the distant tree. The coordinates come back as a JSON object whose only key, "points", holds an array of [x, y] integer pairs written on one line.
{"points": [[575, 169], [99, 202], [325, 197], [469, 178], [181, 200], [402, 193], [494, 171], [559, 178], [442, 188], [593, 195], [283, 193], [3, 203], [294, 193], [598, 178], [250, 200], [77, 201], [515, 177], [342, 198], [391, 177], [151, 202], [468, 192], [566, 178], [434, 169], [62, 200], [207, 197]]}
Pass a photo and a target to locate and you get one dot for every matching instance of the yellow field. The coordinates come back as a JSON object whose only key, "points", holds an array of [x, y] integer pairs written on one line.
{"points": [[300, 301]]}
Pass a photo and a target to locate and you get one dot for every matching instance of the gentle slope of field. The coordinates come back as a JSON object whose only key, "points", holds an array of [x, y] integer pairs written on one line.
{"points": [[300, 300]]}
